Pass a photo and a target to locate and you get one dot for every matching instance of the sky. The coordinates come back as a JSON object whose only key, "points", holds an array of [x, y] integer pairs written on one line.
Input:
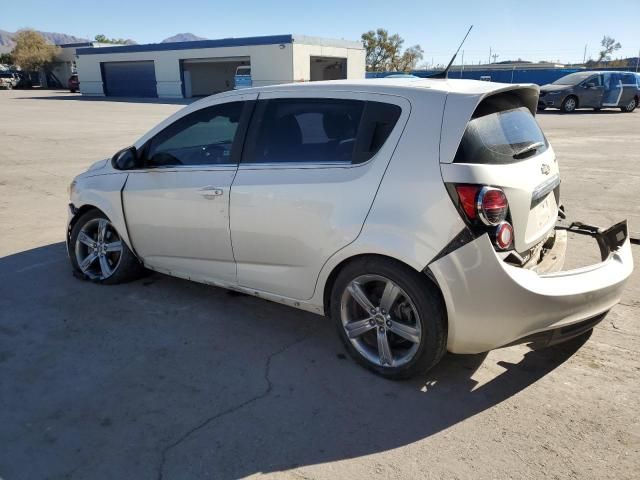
{"points": [[542, 30]]}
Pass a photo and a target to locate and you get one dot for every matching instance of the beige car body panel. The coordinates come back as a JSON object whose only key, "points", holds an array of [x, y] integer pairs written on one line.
{"points": [[491, 303], [401, 210]]}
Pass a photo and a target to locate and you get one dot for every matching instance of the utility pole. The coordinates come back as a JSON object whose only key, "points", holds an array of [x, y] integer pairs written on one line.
{"points": [[584, 57], [462, 69], [489, 55], [638, 61], [495, 57]]}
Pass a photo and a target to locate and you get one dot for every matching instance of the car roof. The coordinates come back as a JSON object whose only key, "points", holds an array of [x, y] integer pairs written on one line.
{"points": [[390, 85]]}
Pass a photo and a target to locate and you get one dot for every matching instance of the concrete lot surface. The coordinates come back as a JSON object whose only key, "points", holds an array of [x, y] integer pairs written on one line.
{"points": [[163, 378]]}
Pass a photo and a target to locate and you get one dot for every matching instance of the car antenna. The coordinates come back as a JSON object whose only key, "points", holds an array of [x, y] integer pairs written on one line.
{"points": [[445, 72]]}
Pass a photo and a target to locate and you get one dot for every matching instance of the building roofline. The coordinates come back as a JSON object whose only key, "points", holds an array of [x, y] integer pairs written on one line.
{"points": [[327, 42], [77, 44], [196, 44], [222, 42]]}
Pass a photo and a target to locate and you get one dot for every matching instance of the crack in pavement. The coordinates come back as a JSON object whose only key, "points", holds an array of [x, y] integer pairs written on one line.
{"points": [[209, 420]]}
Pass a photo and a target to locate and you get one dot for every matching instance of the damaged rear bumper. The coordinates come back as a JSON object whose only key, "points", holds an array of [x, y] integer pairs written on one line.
{"points": [[491, 303]]}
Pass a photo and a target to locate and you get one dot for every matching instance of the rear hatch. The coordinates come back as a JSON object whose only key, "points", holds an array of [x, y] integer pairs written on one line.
{"points": [[504, 147]]}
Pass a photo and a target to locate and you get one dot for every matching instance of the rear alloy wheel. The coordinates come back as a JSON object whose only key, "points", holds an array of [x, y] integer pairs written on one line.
{"points": [[98, 253], [569, 104], [389, 317], [630, 107]]}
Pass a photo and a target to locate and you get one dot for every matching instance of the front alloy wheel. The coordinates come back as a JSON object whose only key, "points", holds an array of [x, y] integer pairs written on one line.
{"points": [[98, 253], [569, 104], [98, 249]]}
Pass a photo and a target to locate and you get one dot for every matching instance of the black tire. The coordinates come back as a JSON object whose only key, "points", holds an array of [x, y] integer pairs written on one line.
{"points": [[569, 104], [631, 106], [422, 293], [541, 109], [73, 90], [596, 109], [125, 269]]}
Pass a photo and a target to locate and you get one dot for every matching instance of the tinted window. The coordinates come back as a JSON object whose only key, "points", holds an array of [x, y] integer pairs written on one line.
{"points": [[572, 78], [204, 137], [319, 130], [596, 80], [501, 137], [628, 79]]}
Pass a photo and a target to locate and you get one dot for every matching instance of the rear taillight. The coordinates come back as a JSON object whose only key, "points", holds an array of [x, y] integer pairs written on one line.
{"points": [[486, 209], [504, 236], [489, 204], [468, 195], [492, 205]]}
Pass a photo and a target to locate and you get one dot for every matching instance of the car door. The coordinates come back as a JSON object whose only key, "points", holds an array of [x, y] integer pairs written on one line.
{"points": [[629, 88], [612, 89], [310, 170], [591, 92], [177, 206]]}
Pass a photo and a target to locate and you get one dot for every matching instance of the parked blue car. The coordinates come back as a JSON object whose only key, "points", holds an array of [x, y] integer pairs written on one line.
{"points": [[242, 78]]}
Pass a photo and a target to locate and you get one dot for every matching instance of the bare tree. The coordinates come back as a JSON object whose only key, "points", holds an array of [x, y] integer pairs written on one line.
{"points": [[609, 45]]}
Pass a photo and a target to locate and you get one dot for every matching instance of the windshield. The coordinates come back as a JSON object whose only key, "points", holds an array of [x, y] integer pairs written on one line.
{"points": [[501, 137], [573, 78]]}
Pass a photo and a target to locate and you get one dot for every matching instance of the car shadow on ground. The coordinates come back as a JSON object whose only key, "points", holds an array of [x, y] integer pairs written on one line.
{"points": [[164, 378], [66, 95]]}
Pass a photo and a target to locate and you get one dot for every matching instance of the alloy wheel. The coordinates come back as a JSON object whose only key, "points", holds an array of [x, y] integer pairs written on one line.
{"points": [[98, 249], [380, 320], [631, 105], [570, 104]]}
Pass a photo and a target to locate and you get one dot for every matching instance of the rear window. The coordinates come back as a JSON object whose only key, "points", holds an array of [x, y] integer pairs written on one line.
{"points": [[501, 137]]}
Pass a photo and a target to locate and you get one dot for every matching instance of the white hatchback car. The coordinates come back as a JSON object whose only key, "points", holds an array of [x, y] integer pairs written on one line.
{"points": [[419, 214]]}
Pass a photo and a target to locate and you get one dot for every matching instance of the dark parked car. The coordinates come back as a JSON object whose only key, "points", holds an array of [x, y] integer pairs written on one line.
{"points": [[25, 80], [73, 83], [592, 90]]}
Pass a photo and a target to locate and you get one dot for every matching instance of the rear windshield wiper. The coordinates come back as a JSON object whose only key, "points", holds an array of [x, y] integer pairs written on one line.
{"points": [[529, 148]]}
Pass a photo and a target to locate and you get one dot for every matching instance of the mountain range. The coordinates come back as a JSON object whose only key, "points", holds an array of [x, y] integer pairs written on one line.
{"points": [[7, 43]]}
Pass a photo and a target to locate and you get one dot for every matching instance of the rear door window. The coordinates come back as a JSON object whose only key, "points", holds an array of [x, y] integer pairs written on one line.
{"points": [[501, 137], [628, 79], [322, 130]]}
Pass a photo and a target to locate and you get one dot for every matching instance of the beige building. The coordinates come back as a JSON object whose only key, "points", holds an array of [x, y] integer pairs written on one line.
{"points": [[205, 67]]}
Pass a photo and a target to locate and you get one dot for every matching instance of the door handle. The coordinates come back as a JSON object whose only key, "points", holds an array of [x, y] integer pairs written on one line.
{"points": [[210, 192]]}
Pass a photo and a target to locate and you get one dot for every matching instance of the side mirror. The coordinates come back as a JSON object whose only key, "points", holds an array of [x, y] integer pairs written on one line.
{"points": [[125, 159]]}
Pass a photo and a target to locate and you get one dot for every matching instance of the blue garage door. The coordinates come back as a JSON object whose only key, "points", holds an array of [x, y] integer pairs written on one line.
{"points": [[129, 79]]}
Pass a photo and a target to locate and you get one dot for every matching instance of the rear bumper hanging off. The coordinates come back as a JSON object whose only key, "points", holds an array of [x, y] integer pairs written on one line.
{"points": [[491, 303]]}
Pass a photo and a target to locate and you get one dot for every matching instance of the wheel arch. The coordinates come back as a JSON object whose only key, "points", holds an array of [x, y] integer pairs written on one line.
{"points": [[78, 212], [333, 275]]}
